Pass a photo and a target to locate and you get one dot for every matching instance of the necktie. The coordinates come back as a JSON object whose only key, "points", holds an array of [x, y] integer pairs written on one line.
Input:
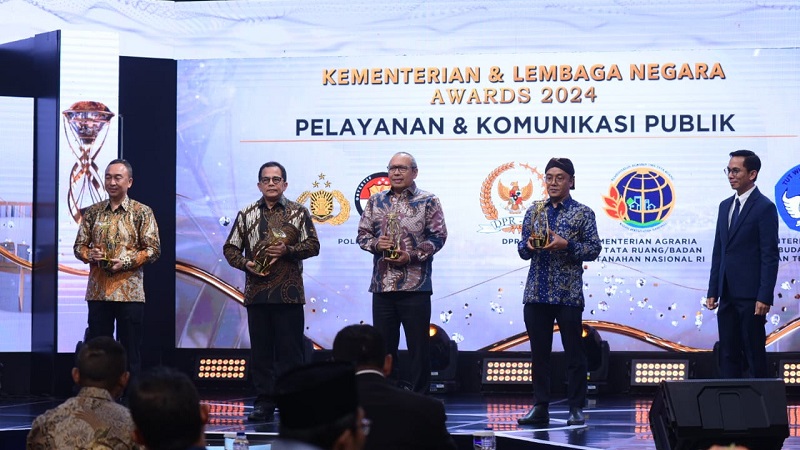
{"points": [[735, 214]]}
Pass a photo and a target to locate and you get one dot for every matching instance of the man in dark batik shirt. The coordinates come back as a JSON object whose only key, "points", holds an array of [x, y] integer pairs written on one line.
{"points": [[554, 289], [269, 241]]}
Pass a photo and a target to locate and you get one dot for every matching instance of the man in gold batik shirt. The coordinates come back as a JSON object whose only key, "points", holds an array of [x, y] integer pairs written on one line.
{"points": [[102, 375], [116, 238]]}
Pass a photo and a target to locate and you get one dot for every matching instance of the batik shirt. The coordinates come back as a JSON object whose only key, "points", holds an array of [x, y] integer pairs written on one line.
{"points": [[556, 277], [422, 233], [130, 234], [252, 228], [58, 428]]}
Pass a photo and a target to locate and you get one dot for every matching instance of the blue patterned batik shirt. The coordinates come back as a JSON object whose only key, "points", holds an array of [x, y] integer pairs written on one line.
{"points": [[556, 277]]}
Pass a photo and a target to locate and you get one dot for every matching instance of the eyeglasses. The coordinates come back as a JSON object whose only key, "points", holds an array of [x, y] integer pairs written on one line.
{"points": [[735, 171], [275, 180], [365, 426], [559, 179], [400, 169]]}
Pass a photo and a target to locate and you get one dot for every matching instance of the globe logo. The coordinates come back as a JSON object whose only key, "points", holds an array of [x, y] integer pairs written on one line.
{"points": [[642, 197]]}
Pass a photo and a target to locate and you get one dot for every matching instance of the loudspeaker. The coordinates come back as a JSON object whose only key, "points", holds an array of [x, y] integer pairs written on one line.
{"points": [[696, 414]]}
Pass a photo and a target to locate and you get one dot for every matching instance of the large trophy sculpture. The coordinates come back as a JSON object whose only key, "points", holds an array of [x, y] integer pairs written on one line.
{"points": [[393, 231], [263, 262], [540, 228], [85, 126]]}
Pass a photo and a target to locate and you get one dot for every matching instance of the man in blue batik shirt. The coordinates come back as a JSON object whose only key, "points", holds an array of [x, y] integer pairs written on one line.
{"points": [[554, 289]]}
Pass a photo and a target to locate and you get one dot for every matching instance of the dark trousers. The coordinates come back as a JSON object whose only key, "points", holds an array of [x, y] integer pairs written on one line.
{"points": [[412, 310], [129, 317], [742, 339], [539, 318], [276, 344]]}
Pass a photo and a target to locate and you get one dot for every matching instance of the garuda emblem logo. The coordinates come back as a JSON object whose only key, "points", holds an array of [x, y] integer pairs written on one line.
{"points": [[323, 203], [514, 200]]}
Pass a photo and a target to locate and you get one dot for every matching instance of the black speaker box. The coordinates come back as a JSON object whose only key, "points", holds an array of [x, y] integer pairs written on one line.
{"points": [[696, 414]]}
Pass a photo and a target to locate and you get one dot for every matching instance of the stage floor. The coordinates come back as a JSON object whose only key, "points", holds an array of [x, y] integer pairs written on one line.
{"points": [[611, 422]]}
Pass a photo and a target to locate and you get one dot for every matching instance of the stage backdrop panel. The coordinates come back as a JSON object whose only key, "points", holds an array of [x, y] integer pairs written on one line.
{"points": [[649, 133]]}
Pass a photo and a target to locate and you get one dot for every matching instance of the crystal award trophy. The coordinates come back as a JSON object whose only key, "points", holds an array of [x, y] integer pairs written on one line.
{"points": [[540, 228], [263, 262], [393, 231]]}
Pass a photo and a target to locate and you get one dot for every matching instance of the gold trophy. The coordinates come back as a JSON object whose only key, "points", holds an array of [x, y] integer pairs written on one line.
{"points": [[108, 245], [393, 231], [263, 262], [540, 228]]}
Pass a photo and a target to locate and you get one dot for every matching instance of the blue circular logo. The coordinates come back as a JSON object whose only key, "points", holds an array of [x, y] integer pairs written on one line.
{"points": [[787, 198]]}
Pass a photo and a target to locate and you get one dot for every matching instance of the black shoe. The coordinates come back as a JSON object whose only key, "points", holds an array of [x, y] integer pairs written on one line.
{"points": [[539, 415], [261, 413], [576, 417]]}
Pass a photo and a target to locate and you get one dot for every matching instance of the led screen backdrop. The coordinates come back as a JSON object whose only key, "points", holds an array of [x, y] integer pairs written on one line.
{"points": [[649, 133]]}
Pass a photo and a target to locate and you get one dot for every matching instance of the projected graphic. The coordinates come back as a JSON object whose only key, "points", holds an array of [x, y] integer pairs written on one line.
{"points": [[649, 133]]}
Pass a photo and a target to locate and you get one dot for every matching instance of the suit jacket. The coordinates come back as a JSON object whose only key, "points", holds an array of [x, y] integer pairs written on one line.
{"points": [[401, 420], [747, 254]]}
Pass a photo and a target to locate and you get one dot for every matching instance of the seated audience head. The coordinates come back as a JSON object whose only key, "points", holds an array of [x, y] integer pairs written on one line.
{"points": [[166, 411], [102, 363], [318, 405], [364, 346]]}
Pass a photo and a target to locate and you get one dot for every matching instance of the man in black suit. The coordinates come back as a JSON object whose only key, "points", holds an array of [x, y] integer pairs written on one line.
{"points": [[401, 419], [744, 270]]}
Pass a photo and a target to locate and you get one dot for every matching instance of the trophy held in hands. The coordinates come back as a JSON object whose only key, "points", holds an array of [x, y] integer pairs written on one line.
{"points": [[263, 262], [393, 231], [540, 228], [108, 244]]}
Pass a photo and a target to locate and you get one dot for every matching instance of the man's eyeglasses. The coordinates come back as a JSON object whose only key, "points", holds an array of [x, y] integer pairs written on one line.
{"points": [[559, 179], [735, 171], [275, 180], [400, 169]]}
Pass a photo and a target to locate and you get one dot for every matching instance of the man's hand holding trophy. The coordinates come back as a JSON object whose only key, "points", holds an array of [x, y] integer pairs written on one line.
{"points": [[268, 250], [104, 252], [389, 243], [542, 237]]}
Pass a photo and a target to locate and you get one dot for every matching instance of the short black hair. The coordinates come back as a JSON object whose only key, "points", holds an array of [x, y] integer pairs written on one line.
{"points": [[362, 345], [165, 407], [272, 164], [101, 362], [125, 163], [751, 160]]}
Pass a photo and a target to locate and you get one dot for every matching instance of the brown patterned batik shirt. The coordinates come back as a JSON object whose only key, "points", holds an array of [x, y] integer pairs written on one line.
{"points": [[284, 282], [60, 428], [130, 234]]}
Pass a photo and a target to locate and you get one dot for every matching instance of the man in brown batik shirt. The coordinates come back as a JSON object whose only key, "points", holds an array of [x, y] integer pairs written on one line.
{"points": [[269, 241]]}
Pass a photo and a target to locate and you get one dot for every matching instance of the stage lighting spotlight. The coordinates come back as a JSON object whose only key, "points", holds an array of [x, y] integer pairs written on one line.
{"points": [[650, 372], [221, 368], [444, 355], [789, 370], [596, 350], [506, 371]]}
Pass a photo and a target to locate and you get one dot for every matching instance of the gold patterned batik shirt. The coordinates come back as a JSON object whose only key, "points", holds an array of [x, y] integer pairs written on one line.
{"points": [[129, 233], [59, 428], [253, 225]]}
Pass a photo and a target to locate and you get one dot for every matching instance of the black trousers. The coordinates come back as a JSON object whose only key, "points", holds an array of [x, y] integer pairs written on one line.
{"points": [[742, 338], [412, 310], [128, 317], [539, 318], [276, 345]]}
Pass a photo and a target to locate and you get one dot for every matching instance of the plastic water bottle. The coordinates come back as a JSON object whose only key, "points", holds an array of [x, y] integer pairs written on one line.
{"points": [[484, 440], [241, 443]]}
